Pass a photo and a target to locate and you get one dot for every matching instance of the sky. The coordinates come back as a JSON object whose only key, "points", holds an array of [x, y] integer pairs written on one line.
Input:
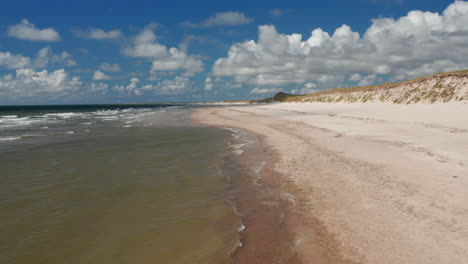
{"points": [[140, 51]]}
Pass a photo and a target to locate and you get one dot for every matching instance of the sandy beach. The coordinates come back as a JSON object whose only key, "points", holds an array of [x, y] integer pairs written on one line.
{"points": [[374, 182]]}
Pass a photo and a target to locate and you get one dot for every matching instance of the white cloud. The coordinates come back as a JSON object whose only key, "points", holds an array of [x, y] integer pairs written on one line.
{"points": [[178, 60], [131, 88], [99, 34], [29, 83], [208, 84], [110, 67], [98, 88], [265, 90], [44, 58], [145, 45], [178, 85], [13, 61], [99, 75], [229, 18], [307, 89], [369, 80], [417, 44], [27, 31], [277, 12], [220, 83], [355, 77]]}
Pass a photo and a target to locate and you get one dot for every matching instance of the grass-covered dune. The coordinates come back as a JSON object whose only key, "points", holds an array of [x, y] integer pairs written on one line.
{"points": [[439, 87]]}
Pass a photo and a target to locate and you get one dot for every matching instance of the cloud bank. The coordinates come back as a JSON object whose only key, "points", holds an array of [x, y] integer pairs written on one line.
{"points": [[44, 58], [30, 83], [417, 44]]}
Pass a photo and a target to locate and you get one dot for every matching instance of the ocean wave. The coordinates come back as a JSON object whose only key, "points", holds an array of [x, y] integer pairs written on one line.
{"points": [[66, 115], [16, 121], [9, 138]]}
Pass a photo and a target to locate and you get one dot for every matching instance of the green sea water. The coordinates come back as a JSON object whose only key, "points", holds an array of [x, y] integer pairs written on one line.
{"points": [[122, 185]]}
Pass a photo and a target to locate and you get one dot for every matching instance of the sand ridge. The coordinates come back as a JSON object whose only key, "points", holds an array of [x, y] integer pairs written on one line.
{"points": [[376, 183]]}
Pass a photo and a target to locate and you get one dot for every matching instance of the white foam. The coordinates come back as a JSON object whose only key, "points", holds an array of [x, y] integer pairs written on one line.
{"points": [[70, 132], [16, 121], [9, 138], [289, 197], [259, 168], [65, 115], [237, 148], [108, 118], [235, 132], [106, 112]]}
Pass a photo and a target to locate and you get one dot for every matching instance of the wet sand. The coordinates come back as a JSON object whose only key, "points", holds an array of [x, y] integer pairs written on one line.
{"points": [[373, 183], [261, 202]]}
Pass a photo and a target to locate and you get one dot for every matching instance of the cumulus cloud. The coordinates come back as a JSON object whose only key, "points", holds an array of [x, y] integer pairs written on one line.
{"points": [[99, 75], [178, 60], [208, 84], [99, 34], [229, 18], [13, 61], [44, 58], [368, 80], [417, 44], [25, 30], [29, 83], [178, 85], [131, 88], [265, 90], [98, 88], [355, 77], [145, 45], [306, 89], [110, 67]]}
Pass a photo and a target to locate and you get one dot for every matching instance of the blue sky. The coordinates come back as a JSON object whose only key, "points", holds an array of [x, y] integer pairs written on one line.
{"points": [[54, 52]]}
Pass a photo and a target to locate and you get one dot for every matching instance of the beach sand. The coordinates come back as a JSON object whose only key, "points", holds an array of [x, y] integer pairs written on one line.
{"points": [[374, 183]]}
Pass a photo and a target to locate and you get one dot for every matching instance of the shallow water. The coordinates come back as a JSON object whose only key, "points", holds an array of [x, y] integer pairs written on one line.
{"points": [[123, 185]]}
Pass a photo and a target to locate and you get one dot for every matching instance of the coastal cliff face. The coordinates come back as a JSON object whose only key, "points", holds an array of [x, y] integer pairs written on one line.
{"points": [[438, 88]]}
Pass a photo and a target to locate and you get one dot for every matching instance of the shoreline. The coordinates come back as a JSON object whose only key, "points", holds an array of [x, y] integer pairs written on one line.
{"points": [[258, 201], [366, 198], [292, 221]]}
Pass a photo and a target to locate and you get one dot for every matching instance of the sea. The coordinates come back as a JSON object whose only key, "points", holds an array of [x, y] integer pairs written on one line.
{"points": [[134, 183]]}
